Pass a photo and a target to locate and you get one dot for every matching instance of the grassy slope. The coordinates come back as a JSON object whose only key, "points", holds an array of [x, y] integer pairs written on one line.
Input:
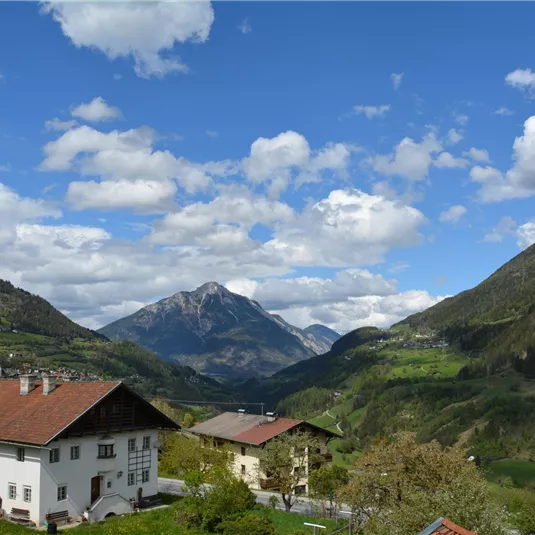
{"points": [[161, 522]]}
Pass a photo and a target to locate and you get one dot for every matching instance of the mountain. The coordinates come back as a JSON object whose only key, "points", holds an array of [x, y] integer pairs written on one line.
{"points": [[27, 312], [216, 332], [327, 337], [317, 338], [496, 318], [41, 336]]}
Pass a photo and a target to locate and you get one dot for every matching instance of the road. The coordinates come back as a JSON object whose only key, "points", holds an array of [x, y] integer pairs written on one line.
{"points": [[175, 486]]}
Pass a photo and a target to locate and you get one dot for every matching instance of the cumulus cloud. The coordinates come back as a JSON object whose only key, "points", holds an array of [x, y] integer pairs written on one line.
{"points": [[461, 118], [396, 78], [145, 31], [519, 180], [505, 227], [371, 112], [362, 311], [445, 160], [479, 155], [526, 235], [453, 214], [454, 136], [523, 79], [276, 160], [96, 111], [410, 160], [57, 125]]}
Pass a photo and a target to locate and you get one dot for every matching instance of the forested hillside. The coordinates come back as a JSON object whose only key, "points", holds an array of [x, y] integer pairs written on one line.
{"points": [[34, 333]]}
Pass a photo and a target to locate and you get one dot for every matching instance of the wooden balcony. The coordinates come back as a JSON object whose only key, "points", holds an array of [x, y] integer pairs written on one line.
{"points": [[268, 484]]}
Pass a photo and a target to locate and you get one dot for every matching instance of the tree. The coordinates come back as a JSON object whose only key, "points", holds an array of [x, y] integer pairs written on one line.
{"points": [[188, 420], [286, 460], [326, 481], [181, 455], [400, 487]]}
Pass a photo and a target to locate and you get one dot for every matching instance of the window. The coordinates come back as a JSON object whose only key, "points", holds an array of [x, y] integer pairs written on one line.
{"points": [[146, 443], [108, 484], [115, 408], [21, 454], [12, 491], [131, 444], [144, 476], [103, 412], [242, 469], [105, 452], [300, 489], [27, 492], [131, 478], [53, 455], [62, 493], [75, 453], [243, 450]]}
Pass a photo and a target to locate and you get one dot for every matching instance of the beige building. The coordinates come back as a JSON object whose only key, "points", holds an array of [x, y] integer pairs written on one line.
{"points": [[245, 434]]}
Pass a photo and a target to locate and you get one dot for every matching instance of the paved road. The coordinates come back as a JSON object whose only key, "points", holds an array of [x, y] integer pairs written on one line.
{"points": [[175, 486]]}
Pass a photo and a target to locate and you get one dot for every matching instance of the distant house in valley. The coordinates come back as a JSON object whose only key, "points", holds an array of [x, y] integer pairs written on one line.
{"points": [[443, 526], [75, 449], [244, 434]]}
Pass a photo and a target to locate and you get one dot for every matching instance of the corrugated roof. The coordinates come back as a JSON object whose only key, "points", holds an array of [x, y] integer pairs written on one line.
{"points": [[247, 428], [443, 526], [36, 419]]}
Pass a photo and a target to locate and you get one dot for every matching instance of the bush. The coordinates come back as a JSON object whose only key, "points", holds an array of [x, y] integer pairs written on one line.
{"points": [[248, 525]]}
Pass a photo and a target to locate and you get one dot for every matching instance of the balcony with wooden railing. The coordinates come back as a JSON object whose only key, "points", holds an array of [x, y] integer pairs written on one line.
{"points": [[269, 483]]}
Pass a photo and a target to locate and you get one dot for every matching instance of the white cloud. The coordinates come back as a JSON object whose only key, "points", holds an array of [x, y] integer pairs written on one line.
{"points": [[146, 31], [245, 26], [396, 78], [212, 133], [505, 227], [347, 228], [454, 136], [445, 160], [461, 118], [276, 160], [523, 79], [371, 112], [361, 311], [147, 196], [519, 180], [398, 267], [504, 111], [280, 294], [96, 111], [453, 214], [479, 155], [526, 235], [410, 160], [57, 125]]}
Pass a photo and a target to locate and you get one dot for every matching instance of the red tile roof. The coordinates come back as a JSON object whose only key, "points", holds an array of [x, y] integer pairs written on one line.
{"points": [[260, 433], [249, 428], [37, 419], [443, 526]]}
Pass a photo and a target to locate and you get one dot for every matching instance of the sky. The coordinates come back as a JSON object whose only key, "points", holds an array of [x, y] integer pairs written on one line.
{"points": [[341, 163]]}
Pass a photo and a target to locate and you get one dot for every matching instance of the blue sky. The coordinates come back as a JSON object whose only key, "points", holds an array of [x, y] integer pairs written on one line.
{"points": [[343, 163]]}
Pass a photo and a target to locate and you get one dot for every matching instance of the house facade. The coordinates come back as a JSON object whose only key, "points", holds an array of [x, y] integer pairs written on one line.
{"points": [[82, 449], [243, 435]]}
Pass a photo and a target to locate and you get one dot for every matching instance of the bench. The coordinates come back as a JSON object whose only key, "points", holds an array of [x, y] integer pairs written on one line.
{"points": [[150, 501], [60, 516], [19, 515]]}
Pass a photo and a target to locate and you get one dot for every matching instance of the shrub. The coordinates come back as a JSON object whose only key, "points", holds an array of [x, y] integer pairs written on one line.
{"points": [[248, 525]]}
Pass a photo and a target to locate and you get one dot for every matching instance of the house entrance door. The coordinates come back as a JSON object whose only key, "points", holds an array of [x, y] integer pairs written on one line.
{"points": [[95, 488]]}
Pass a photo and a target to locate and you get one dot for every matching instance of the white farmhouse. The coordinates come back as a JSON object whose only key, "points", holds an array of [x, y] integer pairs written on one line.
{"points": [[75, 449]]}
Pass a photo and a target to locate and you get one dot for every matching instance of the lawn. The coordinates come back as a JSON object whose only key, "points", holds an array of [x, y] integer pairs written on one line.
{"points": [[521, 472], [161, 522]]}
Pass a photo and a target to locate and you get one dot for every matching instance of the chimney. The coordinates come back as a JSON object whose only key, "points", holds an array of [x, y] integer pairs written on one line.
{"points": [[271, 416], [241, 412], [49, 384], [27, 384]]}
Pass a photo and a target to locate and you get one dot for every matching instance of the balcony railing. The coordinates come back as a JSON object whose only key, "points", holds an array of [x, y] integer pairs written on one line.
{"points": [[268, 484]]}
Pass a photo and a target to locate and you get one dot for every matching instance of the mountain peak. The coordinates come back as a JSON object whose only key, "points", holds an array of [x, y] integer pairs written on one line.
{"points": [[211, 287]]}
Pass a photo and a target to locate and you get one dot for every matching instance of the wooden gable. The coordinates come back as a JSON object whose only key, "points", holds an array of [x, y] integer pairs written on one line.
{"points": [[121, 410]]}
